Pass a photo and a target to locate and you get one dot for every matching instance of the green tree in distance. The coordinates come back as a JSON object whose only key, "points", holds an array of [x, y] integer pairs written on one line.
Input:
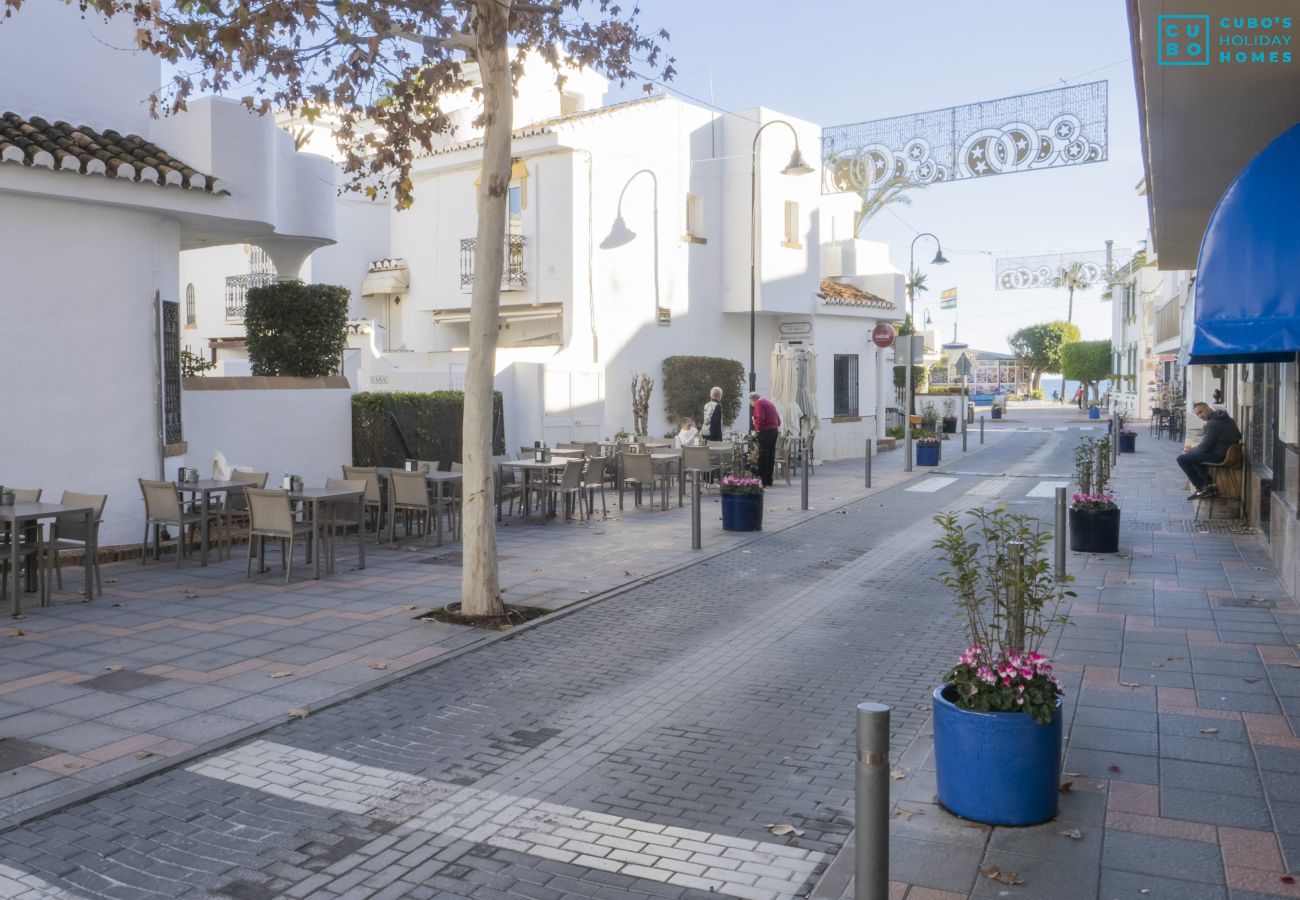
{"points": [[1087, 362], [1039, 346], [1073, 279]]}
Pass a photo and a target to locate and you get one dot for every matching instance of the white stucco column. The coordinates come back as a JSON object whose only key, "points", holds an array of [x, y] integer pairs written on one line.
{"points": [[289, 254]]}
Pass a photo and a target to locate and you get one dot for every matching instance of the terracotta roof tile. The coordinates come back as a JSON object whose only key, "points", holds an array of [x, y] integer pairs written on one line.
{"points": [[837, 293], [60, 146]]}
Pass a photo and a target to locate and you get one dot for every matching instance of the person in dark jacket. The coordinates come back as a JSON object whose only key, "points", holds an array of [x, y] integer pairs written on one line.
{"points": [[711, 423], [767, 425], [1220, 434]]}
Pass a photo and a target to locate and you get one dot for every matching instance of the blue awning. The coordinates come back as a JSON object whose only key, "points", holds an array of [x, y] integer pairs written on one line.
{"points": [[1247, 292]]}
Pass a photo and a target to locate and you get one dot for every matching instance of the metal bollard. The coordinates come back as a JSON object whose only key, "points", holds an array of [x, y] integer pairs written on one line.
{"points": [[981, 429], [1114, 444], [803, 475], [964, 430], [868, 462], [1060, 532], [871, 804], [695, 511]]}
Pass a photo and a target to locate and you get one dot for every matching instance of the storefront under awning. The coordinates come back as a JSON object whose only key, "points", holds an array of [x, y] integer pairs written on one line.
{"points": [[1247, 294]]}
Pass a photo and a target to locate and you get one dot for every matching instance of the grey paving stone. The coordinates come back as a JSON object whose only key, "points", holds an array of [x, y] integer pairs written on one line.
{"points": [[1064, 878], [1117, 884], [945, 867], [1165, 857], [1214, 808]]}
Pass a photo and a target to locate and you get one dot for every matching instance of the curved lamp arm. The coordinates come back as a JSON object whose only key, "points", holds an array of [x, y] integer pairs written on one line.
{"points": [[621, 227]]}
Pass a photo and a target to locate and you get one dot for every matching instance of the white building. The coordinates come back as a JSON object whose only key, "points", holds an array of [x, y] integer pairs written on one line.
{"points": [[98, 202], [628, 242]]}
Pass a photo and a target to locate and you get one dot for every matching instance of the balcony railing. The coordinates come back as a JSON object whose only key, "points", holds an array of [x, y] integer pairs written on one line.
{"points": [[1167, 322], [237, 287], [513, 277]]}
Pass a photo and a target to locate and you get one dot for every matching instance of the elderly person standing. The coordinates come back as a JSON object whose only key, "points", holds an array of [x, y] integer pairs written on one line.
{"points": [[1220, 433], [767, 423], [711, 423]]}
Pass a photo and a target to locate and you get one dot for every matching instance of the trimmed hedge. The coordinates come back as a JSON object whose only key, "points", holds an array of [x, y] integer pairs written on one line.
{"points": [[296, 329], [429, 423], [688, 379]]}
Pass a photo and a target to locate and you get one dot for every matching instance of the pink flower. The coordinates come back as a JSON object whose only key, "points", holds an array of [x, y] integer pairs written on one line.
{"points": [[1020, 701]]}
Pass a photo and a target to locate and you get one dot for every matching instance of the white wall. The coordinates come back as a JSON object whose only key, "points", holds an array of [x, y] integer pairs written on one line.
{"points": [[98, 79], [306, 432], [77, 315]]}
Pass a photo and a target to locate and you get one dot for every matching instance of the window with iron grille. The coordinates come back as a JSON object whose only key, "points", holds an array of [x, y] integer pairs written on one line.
{"points": [[846, 384]]}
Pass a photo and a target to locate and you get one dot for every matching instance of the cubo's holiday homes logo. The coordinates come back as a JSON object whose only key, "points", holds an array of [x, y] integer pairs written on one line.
{"points": [[1189, 41]]}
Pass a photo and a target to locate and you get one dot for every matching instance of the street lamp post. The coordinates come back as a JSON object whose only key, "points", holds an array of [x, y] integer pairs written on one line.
{"points": [[620, 234], [796, 166], [939, 259]]}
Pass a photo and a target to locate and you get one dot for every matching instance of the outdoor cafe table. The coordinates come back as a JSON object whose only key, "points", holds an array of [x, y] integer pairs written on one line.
{"points": [[435, 480], [205, 489], [313, 497], [535, 473], [666, 461], [21, 516]]}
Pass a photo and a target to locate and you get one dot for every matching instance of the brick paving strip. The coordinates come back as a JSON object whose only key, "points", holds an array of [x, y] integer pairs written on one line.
{"points": [[714, 700], [172, 663], [1183, 690]]}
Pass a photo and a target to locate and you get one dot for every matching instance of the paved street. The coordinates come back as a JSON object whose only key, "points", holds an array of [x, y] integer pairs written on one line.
{"points": [[643, 745]]}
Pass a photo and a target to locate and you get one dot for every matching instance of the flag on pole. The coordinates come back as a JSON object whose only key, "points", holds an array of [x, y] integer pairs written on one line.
{"points": [[948, 299]]}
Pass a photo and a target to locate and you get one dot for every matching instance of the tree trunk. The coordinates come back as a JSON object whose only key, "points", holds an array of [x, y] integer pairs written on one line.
{"points": [[1069, 312], [480, 585]]}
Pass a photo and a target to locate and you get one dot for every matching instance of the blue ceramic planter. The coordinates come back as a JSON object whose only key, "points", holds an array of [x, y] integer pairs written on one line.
{"points": [[1128, 442], [927, 455], [1094, 412], [1001, 768], [742, 512]]}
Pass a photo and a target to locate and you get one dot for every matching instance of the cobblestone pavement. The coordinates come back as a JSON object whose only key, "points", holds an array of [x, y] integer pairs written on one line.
{"points": [[170, 661], [640, 746], [1182, 683]]}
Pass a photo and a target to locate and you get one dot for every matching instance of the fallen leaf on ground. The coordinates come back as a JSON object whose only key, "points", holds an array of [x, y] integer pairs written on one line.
{"points": [[1157, 665], [1250, 680], [1073, 834], [1287, 879], [17, 632], [394, 546], [784, 828], [1209, 731], [1112, 767], [72, 765], [1294, 665], [897, 774], [1143, 891], [1001, 876], [1066, 787], [110, 580], [412, 549], [189, 592], [410, 607], [117, 604], [1129, 684], [299, 713], [379, 665], [112, 668], [906, 813], [627, 573], [18, 616], [280, 674]]}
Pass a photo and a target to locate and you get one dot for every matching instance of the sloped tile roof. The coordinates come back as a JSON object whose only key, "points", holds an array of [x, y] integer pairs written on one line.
{"points": [[837, 293], [62, 147]]}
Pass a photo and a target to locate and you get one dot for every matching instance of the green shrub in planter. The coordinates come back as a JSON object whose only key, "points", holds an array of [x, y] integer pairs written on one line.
{"points": [[296, 329]]}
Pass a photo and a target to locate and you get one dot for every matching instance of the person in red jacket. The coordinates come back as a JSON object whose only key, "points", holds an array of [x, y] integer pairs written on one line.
{"points": [[767, 423]]}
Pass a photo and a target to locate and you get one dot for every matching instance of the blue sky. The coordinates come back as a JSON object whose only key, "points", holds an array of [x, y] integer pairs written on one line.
{"points": [[836, 62]]}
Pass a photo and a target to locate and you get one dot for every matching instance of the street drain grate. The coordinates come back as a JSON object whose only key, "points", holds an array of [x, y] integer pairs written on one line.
{"points": [[15, 752], [1212, 526], [1249, 603]]}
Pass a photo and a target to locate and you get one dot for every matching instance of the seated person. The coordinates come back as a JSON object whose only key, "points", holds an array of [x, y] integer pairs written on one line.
{"points": [[689, 434], [1220, 434]]}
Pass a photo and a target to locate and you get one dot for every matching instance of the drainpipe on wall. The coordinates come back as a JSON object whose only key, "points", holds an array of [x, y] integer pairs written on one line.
{"points": [[157, 384]]}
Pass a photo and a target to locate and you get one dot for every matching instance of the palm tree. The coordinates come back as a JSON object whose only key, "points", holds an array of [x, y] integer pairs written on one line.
{"points": [[1072, 278], [892, 191]]}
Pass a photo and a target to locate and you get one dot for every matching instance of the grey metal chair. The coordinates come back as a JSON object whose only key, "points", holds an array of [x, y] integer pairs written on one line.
{"points": [[411, 497], [163, 507], [270, 515], [71, 534], [374, 494], [569, 487], [639, 472]]}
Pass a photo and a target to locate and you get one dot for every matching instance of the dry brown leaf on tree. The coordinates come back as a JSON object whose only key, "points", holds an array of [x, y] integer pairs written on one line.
{"points": [[1001, 875], [784, 828]]}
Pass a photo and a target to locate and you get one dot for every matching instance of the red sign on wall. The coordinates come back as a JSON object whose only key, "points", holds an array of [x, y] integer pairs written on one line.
{"points": [[883, 335]]}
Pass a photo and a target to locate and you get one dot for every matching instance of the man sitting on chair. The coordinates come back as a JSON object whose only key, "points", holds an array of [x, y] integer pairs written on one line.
{"points": [[1220, 434]]}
